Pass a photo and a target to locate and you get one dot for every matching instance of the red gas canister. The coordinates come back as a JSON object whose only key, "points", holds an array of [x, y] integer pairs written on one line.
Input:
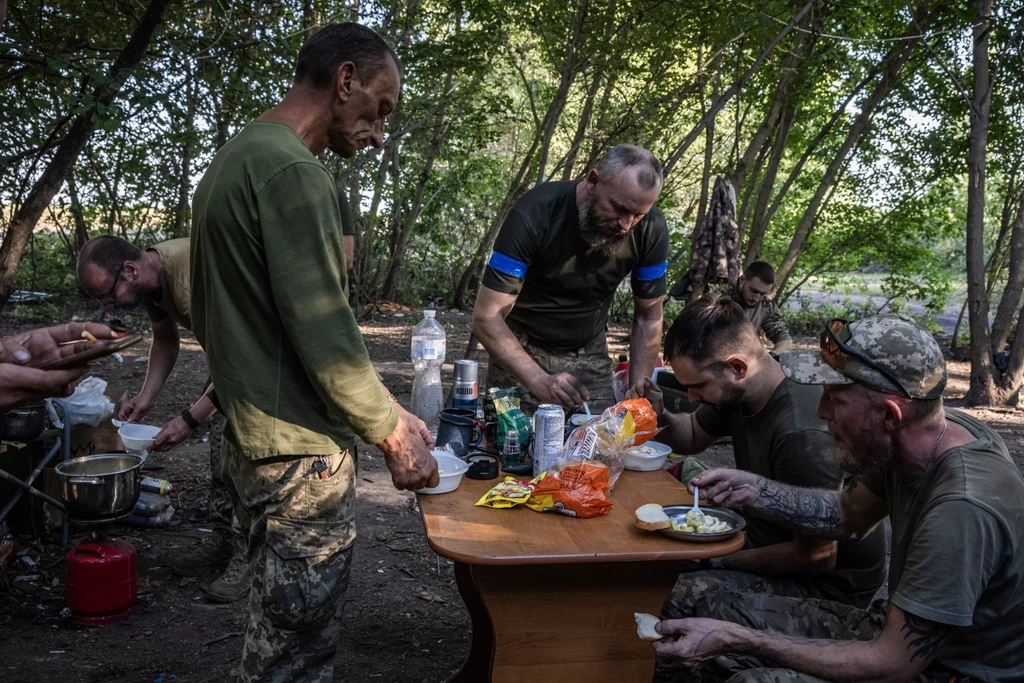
{"points": [[102, 585]]}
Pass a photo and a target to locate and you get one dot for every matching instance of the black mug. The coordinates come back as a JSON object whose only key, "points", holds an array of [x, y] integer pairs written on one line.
{"points": [[457, 431]]}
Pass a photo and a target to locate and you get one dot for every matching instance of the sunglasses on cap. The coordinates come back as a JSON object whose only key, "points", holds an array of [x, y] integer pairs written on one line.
{"points": [[834, 351]]}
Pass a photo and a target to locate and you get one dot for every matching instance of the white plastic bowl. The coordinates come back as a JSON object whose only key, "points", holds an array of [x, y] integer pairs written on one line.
{"points": [[647, 462], [137, 437], [453, 469], [580, 419]]}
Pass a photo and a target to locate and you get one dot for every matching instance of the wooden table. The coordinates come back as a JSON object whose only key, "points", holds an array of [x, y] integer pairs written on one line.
{"points": [[552, 598]]}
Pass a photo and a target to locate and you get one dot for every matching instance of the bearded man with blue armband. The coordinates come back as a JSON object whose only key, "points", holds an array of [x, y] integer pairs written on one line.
{"points": [[562, 252]]}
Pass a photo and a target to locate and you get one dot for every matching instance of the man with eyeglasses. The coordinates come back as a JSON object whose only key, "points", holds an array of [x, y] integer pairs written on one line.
{"points": [[715, 353], [953, 495], [121, 275]]}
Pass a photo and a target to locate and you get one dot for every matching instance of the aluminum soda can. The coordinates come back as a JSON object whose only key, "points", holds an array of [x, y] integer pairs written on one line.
{"points": [[548, 435], [466, 389]]}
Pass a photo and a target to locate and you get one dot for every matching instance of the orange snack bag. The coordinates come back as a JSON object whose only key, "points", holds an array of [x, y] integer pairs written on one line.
{"points": [[578, 490], [645, 422]]}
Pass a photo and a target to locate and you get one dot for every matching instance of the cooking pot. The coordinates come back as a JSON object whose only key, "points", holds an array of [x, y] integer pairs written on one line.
{"points": [[100, 487], [24, 423]]}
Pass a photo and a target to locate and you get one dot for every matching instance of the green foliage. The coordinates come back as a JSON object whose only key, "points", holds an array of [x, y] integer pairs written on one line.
{"points": [[498, 96]]}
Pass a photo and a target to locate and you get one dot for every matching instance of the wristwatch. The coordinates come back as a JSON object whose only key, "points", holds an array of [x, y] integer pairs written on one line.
{"points": [[192, 422], [713, 563]]}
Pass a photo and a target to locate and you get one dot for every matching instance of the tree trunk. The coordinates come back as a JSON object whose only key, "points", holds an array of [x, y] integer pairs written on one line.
{"points": [[81, 227], [1010, 301], [759, 220], [570, 67], [184, 208], [735, 88], [894, 62], [983, 388], [49, 183], [709, 152]]}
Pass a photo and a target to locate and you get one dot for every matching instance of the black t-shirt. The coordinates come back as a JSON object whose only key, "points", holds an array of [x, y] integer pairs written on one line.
{"points": [[787, 442], [565, 287]]}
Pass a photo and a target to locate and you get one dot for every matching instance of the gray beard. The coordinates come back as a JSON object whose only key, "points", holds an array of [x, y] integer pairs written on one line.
{"points": [[877, 454], [591, 233]]}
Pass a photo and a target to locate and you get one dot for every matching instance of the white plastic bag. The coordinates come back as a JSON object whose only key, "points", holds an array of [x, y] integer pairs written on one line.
{"points": [[88, 405]]}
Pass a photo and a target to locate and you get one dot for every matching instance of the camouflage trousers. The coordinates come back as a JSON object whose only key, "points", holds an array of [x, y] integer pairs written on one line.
{"points": [[785, 606], [300, 530], [222, 515], [591, 365]]}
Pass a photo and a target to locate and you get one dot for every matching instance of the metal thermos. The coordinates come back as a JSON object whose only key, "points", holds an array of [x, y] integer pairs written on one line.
{"points": [[466, 389]]}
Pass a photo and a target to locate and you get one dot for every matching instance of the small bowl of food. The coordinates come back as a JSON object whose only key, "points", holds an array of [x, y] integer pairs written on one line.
{"points": [[647, 457], [450, 469]]}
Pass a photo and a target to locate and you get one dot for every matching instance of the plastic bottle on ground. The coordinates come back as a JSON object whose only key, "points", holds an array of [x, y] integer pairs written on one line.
{"points": [[429, 347]]}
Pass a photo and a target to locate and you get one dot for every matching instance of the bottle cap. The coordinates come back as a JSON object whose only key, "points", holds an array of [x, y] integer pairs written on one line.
{"points": [[429, 314]]}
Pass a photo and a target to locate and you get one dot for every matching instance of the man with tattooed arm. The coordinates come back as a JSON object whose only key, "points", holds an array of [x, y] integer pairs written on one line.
{"points": [[953, 495]]}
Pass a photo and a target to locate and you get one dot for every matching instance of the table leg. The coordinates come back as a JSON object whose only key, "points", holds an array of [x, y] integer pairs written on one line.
{"points": [[561, 622]]}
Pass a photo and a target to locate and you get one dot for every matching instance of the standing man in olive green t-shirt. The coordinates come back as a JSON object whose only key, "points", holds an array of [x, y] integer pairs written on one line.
{"points": [[270, 306], [953, 495], [716, 354]]}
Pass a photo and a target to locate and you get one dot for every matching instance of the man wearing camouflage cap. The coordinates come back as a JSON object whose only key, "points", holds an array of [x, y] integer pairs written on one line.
{"points": [[952, 493]]}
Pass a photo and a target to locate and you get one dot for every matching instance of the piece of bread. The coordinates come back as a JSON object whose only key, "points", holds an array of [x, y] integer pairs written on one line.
{"points": [[645, 624], [651, 517]]}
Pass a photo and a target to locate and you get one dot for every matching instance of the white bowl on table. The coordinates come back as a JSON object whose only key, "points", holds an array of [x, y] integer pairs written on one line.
{"points": [[647, 457], [137, 437], [452, 467]]}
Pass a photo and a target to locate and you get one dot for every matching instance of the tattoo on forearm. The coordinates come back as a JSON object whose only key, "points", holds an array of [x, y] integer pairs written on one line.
{"points": [[924, 639], [810, 510]]}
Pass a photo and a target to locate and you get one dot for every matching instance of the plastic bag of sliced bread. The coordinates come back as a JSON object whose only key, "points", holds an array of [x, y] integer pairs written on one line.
{"points": [[605, 440]]}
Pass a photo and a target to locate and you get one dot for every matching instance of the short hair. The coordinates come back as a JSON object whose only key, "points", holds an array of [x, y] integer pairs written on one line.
{"points": [[334, 44], [621, 157], [707, 327], [109, 253], [762, 270], [915, 410]]}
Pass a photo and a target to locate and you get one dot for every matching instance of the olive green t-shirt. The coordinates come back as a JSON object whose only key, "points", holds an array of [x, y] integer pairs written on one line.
{"points": [[174, 284], [270, 301], [958, 552], [787, 442]]}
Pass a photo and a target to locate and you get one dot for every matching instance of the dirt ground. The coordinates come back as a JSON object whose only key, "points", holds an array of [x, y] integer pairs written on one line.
{"points": [[404, 620]]}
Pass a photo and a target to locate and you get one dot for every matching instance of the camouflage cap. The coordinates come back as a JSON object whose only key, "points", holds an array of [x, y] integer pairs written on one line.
{"points": [[895, 343]]}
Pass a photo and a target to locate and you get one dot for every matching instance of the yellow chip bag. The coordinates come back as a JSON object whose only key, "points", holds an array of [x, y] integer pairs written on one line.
{"points": [[507, 494]]}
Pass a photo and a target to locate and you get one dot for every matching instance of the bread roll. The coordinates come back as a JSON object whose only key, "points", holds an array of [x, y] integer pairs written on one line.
{"points": [[651, 517]]}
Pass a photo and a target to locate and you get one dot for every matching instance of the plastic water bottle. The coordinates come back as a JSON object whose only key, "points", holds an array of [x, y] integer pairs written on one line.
{"points": [[429, 346]]}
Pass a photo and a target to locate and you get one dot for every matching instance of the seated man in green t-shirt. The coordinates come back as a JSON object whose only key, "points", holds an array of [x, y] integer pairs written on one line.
{"points": [[952, 494], [716, 354]]}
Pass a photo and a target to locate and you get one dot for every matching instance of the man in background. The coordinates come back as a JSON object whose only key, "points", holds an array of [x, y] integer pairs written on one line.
{"points": [[121, 275]]}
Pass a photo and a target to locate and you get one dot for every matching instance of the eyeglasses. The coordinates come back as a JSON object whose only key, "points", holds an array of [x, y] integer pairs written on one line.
{"points": [[834, 350], [111, 296]]}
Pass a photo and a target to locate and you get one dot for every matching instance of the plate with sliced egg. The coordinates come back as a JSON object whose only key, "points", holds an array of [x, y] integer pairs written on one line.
{"points": [[704, 525]]}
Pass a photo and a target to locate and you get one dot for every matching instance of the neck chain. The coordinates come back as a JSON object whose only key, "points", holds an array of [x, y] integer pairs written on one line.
{"points": [[936, 447]]}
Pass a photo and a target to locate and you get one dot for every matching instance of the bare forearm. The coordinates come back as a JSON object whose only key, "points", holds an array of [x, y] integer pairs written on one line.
{"points": [[813, 512], [783, 346], [834, 660], [784, 559], [503, 346], [678, 433], [644, 343], [162, 357], [203, 409]]}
